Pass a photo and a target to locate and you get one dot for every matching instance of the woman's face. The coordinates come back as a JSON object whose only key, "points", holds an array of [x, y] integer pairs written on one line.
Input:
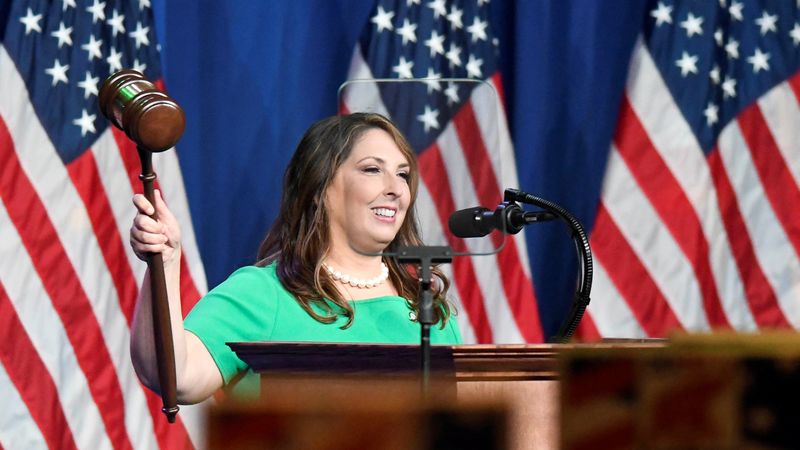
{"points": [[369, 196]]}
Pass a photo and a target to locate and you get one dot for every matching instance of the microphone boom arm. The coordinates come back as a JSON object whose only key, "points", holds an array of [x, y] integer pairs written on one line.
{"points": [[584, 252]]}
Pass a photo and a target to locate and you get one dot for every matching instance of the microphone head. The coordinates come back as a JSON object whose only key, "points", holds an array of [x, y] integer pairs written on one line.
{"points": [[468, 223]]}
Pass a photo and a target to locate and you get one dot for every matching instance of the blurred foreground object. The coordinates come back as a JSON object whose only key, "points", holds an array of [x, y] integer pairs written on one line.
{"points": [[719, 391]]}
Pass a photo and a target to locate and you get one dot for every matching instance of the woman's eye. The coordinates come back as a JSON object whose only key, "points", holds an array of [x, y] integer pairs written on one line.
{"points": [[404, 175], [371, 169]]}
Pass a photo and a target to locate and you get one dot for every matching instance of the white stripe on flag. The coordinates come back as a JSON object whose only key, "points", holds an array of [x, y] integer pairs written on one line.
{"points": [[17, 428], [611, 314], [782, 114], [773, 250], [46, 332]]}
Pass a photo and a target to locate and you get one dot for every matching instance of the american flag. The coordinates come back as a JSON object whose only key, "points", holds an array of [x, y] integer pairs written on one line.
{"points": [[698, 225], [68, 279], [465, 152]]}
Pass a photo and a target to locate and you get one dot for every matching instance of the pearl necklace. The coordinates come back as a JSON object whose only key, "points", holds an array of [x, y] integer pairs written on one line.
{"points": [[357, 282]]}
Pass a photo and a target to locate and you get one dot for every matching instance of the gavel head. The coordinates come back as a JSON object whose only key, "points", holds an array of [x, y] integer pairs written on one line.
{"points": [[148, 116]]}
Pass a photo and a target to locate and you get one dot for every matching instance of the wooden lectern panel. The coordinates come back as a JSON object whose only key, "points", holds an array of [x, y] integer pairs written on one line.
{"points": [[524, 378]]}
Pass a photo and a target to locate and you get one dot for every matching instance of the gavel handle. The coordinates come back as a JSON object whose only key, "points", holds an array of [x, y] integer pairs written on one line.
{"points": [[162, 329]]}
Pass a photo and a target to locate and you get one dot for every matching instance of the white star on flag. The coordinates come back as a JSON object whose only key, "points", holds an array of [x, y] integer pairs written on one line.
{"points": [[31, 22], [736, 10], [67, 4], [767, 23], [403, 68], [438, 8], [729, 87], [795, 33], [98, 11], [93, 48], [455, 18], [436, 44], [454, 55], [86, 122], [63, 34], [687, 63], [114, 60], [139, 67], [432, 80], [58, 72], [452, 93], [714, 74], [408, 31], [693, 25], [478, 30], [140, 35], [117, 26], [383, 19], [662, 14], [732, 48], [429, 118], [144, 4], [719, 37], [759, 61], [712, 114], [474, 67], [89, 85]]}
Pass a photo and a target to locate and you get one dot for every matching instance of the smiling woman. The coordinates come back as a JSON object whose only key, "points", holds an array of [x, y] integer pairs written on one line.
{"points": [[348, 195]]}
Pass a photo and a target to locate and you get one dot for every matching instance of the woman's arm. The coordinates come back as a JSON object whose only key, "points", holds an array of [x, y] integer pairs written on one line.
{"points": [[196, 372]]}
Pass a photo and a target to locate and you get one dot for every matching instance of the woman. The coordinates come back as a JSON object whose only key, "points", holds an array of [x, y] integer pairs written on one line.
{"points": [[348, 195]]}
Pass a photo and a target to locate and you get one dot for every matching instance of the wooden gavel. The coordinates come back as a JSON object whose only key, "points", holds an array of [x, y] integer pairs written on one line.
{"points": [[155, 122]]}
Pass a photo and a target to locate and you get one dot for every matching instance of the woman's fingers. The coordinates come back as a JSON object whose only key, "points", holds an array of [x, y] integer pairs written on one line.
{"points": [[142, 204], [146, 223], [144, 237]]}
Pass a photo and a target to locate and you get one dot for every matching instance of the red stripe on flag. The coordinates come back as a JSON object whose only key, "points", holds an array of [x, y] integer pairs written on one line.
{"points": [[475, 153], [189, 293], [64, 288], [130, 158], [587, 330], [85, 176], [516, 284], [794, 83], [433, 174], [778, 183], [31, 379], [760, 295], [631, 278], [497, 82], [671, 204]]}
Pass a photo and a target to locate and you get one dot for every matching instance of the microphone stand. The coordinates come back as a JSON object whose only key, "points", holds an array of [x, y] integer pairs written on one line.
{"points": [[425, 257], [584, 286]]}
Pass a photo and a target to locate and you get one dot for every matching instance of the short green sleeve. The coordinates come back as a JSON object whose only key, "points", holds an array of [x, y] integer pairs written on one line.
{"points": [[242, 308]]}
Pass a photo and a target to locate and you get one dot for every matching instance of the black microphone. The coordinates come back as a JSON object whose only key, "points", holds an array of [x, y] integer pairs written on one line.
{"points": [[508, 217]]}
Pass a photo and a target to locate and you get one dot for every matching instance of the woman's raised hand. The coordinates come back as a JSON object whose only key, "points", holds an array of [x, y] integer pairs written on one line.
{"points": [[150, 236]]}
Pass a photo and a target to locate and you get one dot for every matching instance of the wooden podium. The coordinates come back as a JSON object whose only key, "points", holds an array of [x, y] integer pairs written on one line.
{"points": [[522, 379]]}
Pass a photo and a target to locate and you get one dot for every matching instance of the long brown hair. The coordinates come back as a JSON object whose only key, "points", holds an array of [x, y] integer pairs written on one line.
{"points": [[300, 236]]}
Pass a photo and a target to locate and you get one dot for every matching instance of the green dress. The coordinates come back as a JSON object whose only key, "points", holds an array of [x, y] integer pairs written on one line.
{"points": [[252, 305]]}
